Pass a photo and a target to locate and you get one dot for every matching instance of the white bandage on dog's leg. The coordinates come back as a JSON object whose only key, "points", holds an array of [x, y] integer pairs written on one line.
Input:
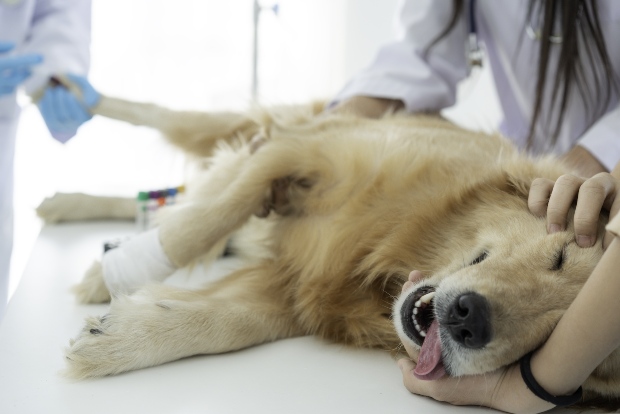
{"points": [[136, 262]]}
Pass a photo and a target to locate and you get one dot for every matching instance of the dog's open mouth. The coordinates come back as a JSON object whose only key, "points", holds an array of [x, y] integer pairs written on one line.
{"points": [[419, 323], [417, 313]]}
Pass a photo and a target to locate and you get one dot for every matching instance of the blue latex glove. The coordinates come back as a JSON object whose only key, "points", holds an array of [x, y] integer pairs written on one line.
{"points": [[63, 112], [15, 69], [90, 97]]}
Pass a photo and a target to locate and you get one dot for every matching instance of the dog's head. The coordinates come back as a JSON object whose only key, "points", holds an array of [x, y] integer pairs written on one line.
{"points": [[498, 296]]}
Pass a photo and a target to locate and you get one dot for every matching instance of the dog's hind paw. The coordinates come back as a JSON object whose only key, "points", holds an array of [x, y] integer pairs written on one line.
{"points": [[81, 207], [92, 288], [65, 207]]}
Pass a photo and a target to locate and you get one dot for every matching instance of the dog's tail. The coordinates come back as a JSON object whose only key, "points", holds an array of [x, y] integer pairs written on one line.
{"points": [[198, 132], [195, 132]]}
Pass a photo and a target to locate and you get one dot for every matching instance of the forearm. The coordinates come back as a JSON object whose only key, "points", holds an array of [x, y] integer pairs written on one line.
{"points": [[601, 139], [577, 346]]}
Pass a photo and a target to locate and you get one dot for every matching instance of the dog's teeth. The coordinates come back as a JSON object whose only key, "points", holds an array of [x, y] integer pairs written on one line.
{"points": [[427, 298], [417, 327], [415, 311], [417, 304], [422, 334]]}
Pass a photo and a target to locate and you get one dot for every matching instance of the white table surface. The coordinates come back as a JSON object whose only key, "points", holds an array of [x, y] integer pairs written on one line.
{"points": [[302, 375]]}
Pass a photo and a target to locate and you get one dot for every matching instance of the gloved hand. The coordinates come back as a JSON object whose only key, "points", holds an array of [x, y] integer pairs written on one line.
{"points": [[15, 69], [64, 112]]}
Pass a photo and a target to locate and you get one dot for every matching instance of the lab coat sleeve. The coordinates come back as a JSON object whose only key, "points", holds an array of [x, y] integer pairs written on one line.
{"points": [[602, 139], [61, 32], [402, 71]]}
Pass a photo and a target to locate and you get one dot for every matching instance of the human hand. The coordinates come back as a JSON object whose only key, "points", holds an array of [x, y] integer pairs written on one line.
{"points": [[582, 162], [366, 106], [64, 111], [15, 69], [554, 200], [503, 389]]}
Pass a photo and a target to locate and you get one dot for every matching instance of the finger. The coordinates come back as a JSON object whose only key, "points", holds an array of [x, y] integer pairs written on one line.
{"points": [[72, 107], [564, 192], [48, 110], [613, 211], [607, 239], [415, 276], [6, 90], [15, 77], [60, 109], [90, 96], [538, 198], [21, 61], [457, 391], [6, 46], [77, 112], [407, 367], [593, 194], [412, 351]]}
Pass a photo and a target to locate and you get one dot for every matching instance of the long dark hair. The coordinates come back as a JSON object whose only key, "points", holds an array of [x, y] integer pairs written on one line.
{"points": [[582, 46]]}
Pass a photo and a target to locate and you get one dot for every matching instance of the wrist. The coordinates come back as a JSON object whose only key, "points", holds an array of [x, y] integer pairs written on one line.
{"points": [[514, 396], [555, 394], [582, 162]]}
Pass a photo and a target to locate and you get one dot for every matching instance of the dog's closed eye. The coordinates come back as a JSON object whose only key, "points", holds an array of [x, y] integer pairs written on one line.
{"points": [[558, 259], [480, 258]]}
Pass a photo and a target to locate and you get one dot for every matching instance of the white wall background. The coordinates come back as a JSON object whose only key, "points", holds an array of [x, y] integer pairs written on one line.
{"points": [[197, 54]]}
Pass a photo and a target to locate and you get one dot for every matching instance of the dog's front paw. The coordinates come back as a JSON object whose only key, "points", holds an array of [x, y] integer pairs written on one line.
{"points": [[92, 288], [131, 336]]}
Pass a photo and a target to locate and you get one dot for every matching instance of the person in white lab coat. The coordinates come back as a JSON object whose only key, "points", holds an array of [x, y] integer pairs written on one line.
{"points": [[38, 38], [409, 74], [572, 111]]}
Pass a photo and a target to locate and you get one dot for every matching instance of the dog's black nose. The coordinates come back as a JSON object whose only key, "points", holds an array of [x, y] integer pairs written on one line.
{"points": [[468, 320]]}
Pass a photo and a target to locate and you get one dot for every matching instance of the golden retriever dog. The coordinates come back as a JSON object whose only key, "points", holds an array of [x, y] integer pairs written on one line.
{"points": [[346, 208]]}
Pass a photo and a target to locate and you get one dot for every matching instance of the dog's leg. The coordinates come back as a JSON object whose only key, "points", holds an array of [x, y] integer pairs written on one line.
{"points": [[160, 324], [80, 207], [195, 228], [92, 288], [192, 230], [224, 169]]}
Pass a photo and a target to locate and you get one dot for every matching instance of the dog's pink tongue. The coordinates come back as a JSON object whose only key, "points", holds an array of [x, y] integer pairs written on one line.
{"points": [[429, 366]]}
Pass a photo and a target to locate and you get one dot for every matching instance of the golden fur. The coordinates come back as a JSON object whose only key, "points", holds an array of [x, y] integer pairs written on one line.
{"points": [[355, 205]]}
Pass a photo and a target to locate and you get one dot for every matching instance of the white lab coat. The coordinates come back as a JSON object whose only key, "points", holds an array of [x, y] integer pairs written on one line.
{"points": [[401, 71], [60, 31]]}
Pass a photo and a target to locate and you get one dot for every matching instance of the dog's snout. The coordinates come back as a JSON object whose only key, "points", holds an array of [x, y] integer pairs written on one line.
{"points": [[468, 320]]}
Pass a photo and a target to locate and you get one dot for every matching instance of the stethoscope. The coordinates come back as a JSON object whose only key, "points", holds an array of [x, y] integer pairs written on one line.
{"points": [[475, 54]]}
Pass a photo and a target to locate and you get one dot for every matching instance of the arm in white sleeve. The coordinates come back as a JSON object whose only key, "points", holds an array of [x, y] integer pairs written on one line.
{"points": [[602, 139], [61, 32], [402, 70]]}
